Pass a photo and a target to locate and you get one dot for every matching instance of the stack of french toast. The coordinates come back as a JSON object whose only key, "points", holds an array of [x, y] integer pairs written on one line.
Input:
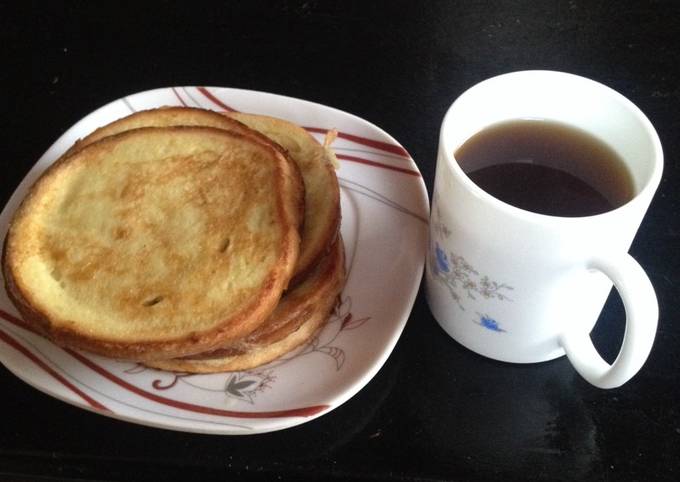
{"points": [[185, 239]]}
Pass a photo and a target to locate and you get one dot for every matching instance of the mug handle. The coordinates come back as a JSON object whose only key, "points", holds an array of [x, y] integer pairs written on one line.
{"points": [[642, 313]]}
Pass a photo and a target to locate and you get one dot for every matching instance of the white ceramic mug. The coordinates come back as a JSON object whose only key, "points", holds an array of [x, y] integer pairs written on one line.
{"points": [[523, 287]]}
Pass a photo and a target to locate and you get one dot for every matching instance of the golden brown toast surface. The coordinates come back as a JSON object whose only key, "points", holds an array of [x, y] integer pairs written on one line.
{"points": [[191, 116], [322, 194], [154, 243], [300, 313]]}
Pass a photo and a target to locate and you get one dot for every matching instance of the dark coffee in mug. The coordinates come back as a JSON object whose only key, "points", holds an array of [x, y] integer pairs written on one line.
{"points": [[546, 167]]}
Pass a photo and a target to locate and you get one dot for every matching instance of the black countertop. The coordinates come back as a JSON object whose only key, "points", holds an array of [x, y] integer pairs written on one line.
{"points": [[435, 411]]}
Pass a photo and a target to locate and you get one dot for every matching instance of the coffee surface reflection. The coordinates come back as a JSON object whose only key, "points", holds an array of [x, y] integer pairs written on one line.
{"points": [[546, 167]]}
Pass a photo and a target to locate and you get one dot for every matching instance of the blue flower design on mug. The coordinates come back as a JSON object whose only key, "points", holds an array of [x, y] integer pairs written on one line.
{"points": [[442, 262], [465, 283], [489, 323], [463, 280]]}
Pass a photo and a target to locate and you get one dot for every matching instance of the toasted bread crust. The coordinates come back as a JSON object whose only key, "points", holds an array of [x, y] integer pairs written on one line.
{"points": [[296, 305], [301, 313], [172, 116], [322, 192], [183, 340]]}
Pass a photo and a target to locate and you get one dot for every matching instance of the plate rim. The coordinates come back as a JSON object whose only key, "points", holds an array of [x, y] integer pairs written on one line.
{"points": [[262, 425]]}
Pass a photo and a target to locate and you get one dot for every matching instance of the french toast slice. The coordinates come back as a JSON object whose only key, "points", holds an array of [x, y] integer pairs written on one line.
{"points": [[154, 243], [302, 311], [322, 193], [170, 116]]}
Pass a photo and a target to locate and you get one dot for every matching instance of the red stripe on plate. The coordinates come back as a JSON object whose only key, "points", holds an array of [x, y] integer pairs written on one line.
{"points": [[360, 160], [210, 96], [28, 354], [178, 96], [16, 321], [294, 412], [383, 146]]}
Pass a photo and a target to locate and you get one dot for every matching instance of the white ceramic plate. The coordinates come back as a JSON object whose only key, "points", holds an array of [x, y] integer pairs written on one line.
{"points": [[384, 225]]}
